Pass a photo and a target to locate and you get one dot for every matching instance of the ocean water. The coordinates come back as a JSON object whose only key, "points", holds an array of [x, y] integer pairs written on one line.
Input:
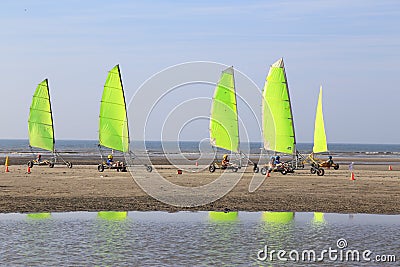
{"points": [[90, 147], [198, 239]]}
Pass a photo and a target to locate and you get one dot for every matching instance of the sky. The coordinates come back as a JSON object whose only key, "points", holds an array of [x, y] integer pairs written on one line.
{"points": [[351, 48]]}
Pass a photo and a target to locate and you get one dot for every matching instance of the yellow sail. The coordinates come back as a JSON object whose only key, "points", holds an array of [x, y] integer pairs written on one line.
{"points": [[320, 144]]}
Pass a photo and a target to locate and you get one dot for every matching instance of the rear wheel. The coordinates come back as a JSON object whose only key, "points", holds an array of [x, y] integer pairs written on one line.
{"points": [[235, 169], [211, 168], [51, 164], [30, 164], [284, 171], [256, 169], [69, 164], [264, 171], [149, 168], [100, 167], [320, 172]]}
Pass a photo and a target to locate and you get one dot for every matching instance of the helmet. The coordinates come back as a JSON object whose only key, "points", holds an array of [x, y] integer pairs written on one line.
{"points": [[225, 156], [277, 157], [330, 157], [110, 157]]}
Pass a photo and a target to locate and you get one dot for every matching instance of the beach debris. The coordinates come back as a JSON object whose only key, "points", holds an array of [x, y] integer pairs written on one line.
{"points": [[197, 164], [6, 164], [179, 171], [28, 171], [352, 178], [390, 168], [268, 173]]}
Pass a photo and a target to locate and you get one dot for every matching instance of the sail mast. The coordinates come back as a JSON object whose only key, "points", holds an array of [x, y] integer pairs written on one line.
{"points": [[126, 112], [291, 111], [51, 114]]}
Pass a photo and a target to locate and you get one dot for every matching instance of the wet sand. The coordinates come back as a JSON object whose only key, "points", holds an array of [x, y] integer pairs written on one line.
{"points": [[376, 190]]}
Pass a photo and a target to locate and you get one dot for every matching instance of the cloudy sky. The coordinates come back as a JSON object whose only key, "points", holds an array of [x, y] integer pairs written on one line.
{"points": [[350, 47]]}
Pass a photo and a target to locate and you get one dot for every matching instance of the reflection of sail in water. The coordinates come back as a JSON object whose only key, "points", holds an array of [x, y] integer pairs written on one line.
{"points": [[277, 217], [220, 216], [39, 216], [319, 217], [112, 215], [222, 229], [278, 228], [111, 227]]}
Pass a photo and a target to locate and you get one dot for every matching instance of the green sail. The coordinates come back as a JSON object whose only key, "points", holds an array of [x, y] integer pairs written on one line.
{"points": [[278, 128], [113, 122], [320, 144], [40, 122], [224, 127]]}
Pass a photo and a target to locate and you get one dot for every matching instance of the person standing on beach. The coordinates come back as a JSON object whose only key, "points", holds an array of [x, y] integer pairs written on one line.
{"points": [[351, 166], [271, 164]]}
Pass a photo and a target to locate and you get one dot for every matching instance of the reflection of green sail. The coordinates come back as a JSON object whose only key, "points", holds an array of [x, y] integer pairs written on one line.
{"points": [[278, 128], [39, 216], [220, 216], [113, 123], [318, 217], [320, 144], [277, 217], [40, 122], [112, 215], [224, 128]]}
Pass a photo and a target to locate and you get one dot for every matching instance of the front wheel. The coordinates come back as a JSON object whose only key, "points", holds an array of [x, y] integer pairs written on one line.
{"points": [[284, 171], [100, 167], [264, 171], [69, 164], [336, 167], [320, 172], [51, 164], [211, 168], [256, 169], [235, 169], [149, 168], [313, 170]]}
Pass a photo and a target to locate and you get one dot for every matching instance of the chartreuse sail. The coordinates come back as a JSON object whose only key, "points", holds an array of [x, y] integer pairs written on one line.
{"points": [[224, 127], [113, 123], [278, 128], [40, 122], [320, 144]]}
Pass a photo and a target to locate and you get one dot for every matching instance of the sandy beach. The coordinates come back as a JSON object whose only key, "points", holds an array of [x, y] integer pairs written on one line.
{"points": [[376, 190]]}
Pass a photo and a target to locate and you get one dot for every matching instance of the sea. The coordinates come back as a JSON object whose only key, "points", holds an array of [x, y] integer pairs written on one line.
{"points": [[20, 147], [199, 239]]}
